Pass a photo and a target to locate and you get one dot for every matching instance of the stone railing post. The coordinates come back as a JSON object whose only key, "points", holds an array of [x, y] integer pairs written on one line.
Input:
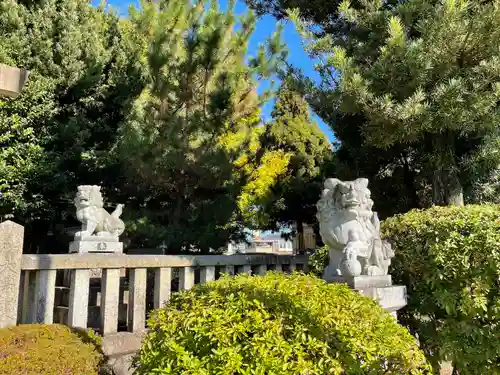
{"points": [[11, 250], [12, 80]]}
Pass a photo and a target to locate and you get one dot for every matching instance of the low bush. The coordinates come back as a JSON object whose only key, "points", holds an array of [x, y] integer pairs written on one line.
{"points": [[39, 349], [276, 325], [318, 260], [449, 259]]}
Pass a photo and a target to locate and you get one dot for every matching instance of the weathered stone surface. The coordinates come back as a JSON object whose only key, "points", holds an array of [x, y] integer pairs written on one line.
{"points": [[110, 300], [351, 230], [12, 80], [207, 274], [121, 343], [95, 246], [247, 268], [120, 348], [94, 218], [137, 300], [11, 249], [391, 298], [186, 278], [261, 270], [229, 269], [79, 299], [121, 365], [44, 296], [361, 282], [70, 261], [162, 286]]}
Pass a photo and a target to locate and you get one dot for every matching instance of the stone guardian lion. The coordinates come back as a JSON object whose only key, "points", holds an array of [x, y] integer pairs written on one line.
{"points": [[94, 218], [345, 212]]}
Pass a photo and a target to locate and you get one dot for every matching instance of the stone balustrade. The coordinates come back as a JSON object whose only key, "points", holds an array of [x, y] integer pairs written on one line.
{"points": [[38, 289]]}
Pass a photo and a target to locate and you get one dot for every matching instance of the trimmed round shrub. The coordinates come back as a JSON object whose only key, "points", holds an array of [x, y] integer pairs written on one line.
{"points": [[276, 324], [39, 349], [449, 259]]}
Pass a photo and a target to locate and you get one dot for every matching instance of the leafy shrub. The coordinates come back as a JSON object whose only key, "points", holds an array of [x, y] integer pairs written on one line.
{"points": [[318, 260], [449, 259], [275, 324], [47, 350]]}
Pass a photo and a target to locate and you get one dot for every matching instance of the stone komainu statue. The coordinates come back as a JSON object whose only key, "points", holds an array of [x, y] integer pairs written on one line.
{"points": [[92, 215], [351, 230]]}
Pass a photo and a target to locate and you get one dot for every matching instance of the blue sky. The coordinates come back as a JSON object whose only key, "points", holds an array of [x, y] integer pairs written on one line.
{"points": [[264, 29]]}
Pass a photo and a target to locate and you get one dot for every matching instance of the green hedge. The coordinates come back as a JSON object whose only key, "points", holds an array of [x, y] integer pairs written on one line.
{"points": [[449, 259], [276, 325], [39, 349]]}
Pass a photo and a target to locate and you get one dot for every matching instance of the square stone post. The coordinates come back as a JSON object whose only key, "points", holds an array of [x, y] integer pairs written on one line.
{"points": [[162, 287], [12, 80], [137, 300], [186, 278], [207, 274], [11, 250], [261, 269]]}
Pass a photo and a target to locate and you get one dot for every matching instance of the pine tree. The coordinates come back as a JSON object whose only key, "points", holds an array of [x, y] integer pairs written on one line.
{"points": [[420, 73], [292, 200], [189, 138]]}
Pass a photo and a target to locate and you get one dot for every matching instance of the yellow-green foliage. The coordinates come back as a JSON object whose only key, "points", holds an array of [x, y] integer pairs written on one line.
{"points": [[449, 259], [261, 173], [39, 349], [276, 324]]}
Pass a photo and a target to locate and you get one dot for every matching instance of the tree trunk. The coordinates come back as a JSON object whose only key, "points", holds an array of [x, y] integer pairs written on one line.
{"points": [[300, 235], [446, 186], [409, 180]]}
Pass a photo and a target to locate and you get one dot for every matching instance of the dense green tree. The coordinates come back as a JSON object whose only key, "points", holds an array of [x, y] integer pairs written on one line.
{"points": [[62, 126], [292, 200], [419, 72], [188, 138], [379, 61]]}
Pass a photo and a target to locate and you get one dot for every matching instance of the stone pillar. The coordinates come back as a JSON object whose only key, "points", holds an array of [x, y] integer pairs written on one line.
{"points": [[247, 268], [11, 250], [12, 80], [207, 274], [261, 269], [137, 300], [229, 270], [110, 293], [162, 286], [186, 278], [79, 299]]}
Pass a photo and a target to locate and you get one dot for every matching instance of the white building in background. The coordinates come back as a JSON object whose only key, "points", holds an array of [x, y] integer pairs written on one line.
{"points": [[272, 243]]}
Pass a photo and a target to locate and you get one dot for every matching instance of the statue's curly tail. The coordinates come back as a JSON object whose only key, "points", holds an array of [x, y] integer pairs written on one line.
{"points": [[118, 211]]}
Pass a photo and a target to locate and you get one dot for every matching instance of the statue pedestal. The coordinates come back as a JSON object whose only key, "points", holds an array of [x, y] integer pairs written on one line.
{"points": [[390, 297], [96, 244]]}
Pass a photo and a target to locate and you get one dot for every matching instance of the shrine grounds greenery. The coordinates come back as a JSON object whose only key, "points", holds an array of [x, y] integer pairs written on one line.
{"points": [[48, 350], [276, 324], [449, 259]]}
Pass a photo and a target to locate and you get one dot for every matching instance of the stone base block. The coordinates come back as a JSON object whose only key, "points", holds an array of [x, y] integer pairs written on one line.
{"points": [[392, 298], [120, 348], [96, 246], [362, 282]]}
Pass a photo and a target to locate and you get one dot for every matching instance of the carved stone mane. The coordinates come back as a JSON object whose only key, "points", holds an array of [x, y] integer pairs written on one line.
{"points": [[96, 221], [346, 218]]}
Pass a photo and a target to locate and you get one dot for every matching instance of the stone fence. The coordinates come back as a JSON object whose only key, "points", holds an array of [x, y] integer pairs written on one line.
{"points": [[117, 286]]}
